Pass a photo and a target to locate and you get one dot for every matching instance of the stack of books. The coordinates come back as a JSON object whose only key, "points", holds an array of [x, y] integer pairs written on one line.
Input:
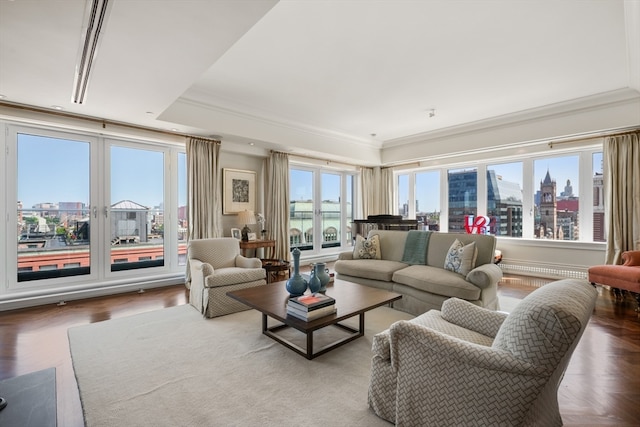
{"points": [[311, 307]]}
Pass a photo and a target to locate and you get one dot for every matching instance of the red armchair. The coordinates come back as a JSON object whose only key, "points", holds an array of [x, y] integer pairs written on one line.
{"points": [[625, 276]]}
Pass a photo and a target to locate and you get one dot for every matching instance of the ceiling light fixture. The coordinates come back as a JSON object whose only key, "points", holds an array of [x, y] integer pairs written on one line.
{"points": [[96, 13]]}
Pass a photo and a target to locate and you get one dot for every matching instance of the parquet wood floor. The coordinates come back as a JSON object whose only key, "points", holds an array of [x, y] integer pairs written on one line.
{"points": [[601, 386]]}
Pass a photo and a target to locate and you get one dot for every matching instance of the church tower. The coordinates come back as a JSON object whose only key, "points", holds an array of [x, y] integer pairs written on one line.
{"points": [[548, 208]]}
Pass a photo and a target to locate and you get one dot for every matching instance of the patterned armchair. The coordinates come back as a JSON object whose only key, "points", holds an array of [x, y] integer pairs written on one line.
{"points": [[216, 267], [467, 365]]}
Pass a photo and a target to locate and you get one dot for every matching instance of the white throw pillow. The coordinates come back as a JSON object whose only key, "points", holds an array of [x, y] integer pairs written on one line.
{"points": [[367, 248], [460, 258]]}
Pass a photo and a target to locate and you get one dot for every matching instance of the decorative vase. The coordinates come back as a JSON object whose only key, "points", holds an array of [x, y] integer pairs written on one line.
{"points": [[314, 282], [322, 273], [296, 285]]}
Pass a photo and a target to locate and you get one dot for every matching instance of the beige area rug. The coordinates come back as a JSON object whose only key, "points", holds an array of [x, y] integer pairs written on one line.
{"points": [[171, 367]]}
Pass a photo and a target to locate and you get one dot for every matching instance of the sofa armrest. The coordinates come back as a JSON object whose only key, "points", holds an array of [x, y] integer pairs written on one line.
{"points": [[244, 262], [485, 275], [470, 316], [345, 255], [631, 258]]}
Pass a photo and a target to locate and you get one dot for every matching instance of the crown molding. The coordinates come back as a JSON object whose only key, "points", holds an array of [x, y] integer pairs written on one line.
{"points": [[593, 102]]}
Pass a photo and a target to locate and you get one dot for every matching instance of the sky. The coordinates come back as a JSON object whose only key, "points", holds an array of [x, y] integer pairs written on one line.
{"points": [[57, 170], [301, 185]]}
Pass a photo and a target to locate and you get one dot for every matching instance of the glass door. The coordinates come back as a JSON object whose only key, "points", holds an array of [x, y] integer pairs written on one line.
{"points": [[136, 210], [53, 207], [321, 209]]}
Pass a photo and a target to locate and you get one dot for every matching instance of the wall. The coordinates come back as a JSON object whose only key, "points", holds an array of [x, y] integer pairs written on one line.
{"points": [[230, 158]]}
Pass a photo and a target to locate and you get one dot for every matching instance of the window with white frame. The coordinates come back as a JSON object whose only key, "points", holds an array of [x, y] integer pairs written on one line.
{"points": [[535, 197], [84, 208]]}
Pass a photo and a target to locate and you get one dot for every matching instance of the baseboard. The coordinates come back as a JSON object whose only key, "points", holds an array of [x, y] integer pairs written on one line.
{"points": [[61, 296]]}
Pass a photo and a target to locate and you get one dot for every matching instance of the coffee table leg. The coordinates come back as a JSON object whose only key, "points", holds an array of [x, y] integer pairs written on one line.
{"points": [[264, 323], [310, 345]]}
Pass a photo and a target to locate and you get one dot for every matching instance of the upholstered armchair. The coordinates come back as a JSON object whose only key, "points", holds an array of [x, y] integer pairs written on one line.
{"points": [[467, 365], [620, 277], [216, 267]]}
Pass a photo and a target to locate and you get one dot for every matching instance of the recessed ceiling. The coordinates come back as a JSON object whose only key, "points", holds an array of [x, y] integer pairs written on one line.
{"points": [[312, 76]]}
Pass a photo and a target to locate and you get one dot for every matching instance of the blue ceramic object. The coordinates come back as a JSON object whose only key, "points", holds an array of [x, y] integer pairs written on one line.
{"points": [[314, 282], [322, 273], [296, 285]]}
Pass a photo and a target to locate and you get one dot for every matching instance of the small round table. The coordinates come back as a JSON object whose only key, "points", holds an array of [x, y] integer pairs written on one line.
{"points": [[274, 267]]}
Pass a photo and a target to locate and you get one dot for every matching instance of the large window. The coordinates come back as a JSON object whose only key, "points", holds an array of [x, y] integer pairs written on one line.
{"points": [[87, 209], [321, 209], [136, 210], [504, 199], [557, 214], [536, 196], [53, 201], [463, 197], [428, 199]]}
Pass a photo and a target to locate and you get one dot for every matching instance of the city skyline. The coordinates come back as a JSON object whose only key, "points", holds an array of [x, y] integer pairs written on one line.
{"points": [[560, 169]]}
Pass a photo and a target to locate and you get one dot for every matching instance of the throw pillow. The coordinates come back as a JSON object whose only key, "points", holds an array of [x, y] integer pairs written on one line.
{"points": [[367, 248], [460, 258]]}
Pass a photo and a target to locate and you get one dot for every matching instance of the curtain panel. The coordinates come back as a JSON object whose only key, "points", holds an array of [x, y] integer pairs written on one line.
{"points": [[622, 188], [277, 202], [376, 191]]}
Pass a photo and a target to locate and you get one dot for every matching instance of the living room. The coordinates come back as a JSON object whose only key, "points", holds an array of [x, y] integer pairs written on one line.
{"points": [[525, 84]]}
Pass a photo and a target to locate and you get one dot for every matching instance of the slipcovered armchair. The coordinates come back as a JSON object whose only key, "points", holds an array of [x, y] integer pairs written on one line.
{"points": [[216, 267], [467, 365]]}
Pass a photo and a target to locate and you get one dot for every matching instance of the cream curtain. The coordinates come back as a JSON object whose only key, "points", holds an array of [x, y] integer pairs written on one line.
{"points": [[368, 193], [376, 191], [277, 202], [203, 181], [622, 192], [386, 191]]}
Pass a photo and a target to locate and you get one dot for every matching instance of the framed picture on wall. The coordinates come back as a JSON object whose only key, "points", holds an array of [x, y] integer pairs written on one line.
{"points": [[236, 233], [238, 191]]}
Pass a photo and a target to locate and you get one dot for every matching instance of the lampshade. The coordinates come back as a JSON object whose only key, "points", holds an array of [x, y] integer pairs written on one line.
{"points": [[246, 217]]}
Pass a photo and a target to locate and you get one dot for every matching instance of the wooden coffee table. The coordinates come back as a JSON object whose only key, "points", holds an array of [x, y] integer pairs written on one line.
{"points": [[351, 300]]}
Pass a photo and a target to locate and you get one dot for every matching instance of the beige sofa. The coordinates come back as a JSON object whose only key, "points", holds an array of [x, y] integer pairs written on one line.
{"points": [[426, 287]]}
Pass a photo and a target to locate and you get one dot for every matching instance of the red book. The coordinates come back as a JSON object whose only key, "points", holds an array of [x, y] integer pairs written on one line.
{"points": [[311, 302]]}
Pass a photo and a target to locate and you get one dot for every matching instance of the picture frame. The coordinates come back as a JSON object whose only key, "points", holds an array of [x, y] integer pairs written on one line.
{"points": [[236, 233], [238, 191], [252, 236]]}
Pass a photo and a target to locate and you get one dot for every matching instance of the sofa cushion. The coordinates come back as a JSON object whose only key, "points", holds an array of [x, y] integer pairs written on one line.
{"points": [[437, 281], [460, 258], [369, 268], [367, 248]]}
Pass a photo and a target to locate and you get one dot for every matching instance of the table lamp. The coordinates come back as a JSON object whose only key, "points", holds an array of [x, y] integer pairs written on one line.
{"points": [[246, 217]]}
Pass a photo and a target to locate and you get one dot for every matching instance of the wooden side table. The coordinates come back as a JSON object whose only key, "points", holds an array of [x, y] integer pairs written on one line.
{"points": [[255, 244], [274, 267]]}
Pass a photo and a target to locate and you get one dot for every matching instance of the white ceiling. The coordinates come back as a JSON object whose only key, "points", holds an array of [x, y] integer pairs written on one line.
{"points": [[311, 76]]}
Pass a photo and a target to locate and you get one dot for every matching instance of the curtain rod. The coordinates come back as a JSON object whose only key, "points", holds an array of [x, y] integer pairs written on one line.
{"points": [[103, 122], [586, 137]]}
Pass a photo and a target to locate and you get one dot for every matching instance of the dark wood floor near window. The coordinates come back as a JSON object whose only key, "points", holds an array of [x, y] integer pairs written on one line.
{"points": [[601, 386]]}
